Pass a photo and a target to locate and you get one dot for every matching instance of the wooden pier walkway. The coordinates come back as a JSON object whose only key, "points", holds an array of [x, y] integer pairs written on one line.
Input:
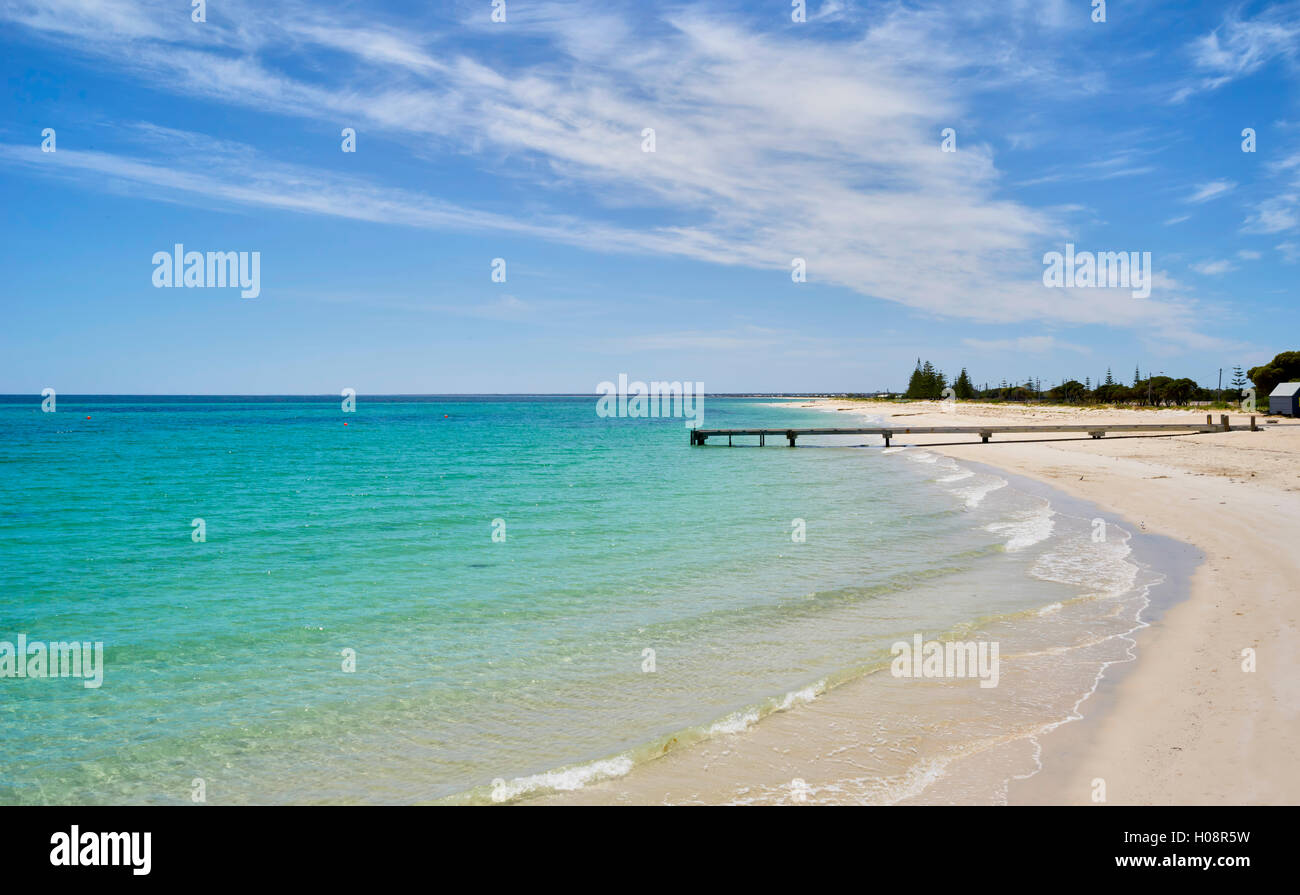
{"points": [[1096, 430]]}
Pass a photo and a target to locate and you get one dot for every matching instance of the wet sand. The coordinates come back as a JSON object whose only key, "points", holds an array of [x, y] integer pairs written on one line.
{"points": [[1216, 516]]}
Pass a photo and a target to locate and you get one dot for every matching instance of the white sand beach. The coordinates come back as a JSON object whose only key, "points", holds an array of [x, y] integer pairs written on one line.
{"points": [[1182, 724], [1186, 725]]}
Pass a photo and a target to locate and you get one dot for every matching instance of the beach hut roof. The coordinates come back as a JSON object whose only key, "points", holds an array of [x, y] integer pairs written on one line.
{"points": [[1285, 390]]}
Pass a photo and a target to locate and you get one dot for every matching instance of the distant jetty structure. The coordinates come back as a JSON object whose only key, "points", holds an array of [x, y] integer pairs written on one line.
{"points": [[1096, 430]]}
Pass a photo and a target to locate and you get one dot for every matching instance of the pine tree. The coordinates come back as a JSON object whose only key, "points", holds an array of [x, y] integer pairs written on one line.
{"points": [[930, 383], [962, 388], [1137, 376], [914, 385], [1110, 380]]}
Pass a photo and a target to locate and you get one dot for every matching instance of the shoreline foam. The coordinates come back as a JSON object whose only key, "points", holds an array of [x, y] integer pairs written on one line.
{"points": [[1137, 726], [915, 780], [1186, 723]]}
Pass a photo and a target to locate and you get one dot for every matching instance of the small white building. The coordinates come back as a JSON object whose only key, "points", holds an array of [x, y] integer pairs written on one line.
{"points": [[1285, 399]]}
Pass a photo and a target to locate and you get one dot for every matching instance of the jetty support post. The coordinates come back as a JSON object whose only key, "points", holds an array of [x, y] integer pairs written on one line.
{"points": [[762, 439], [984, 436], [1223, 417], [789, 434], [887, 437]]}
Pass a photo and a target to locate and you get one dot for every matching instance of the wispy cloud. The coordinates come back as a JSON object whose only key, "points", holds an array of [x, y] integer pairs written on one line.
{"points": [[1213, 268], [1280, 212], [1025, 344], [1214, 189], [745, 338], [1241, 46], [760, 155]]}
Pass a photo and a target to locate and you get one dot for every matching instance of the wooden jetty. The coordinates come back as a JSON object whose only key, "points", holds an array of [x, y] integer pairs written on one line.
{"points": [[1096, 430]]}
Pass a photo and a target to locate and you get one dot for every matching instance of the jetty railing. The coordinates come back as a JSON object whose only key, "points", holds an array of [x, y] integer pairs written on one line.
{"points": [[1096, 430]]}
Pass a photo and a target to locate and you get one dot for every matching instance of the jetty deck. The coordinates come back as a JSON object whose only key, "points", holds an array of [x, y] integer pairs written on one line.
{"points": [[1096, 430]]}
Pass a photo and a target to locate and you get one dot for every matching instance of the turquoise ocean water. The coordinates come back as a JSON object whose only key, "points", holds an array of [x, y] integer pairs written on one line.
{"points": [[520, 659]]}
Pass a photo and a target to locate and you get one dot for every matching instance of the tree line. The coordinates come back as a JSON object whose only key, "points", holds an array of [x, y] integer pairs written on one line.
{"points": [[929, 383]]}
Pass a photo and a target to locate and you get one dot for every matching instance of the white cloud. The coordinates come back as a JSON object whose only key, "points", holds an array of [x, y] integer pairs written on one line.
{"points": [[1239, 47], [1280, 212], [1242, 46], [1213, 268], [507, 307], [770, 146], [746, 338], [1212, 190], [1024, 344]]}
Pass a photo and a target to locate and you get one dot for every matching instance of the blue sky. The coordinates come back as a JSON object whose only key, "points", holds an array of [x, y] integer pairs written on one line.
{"points": [[522, 140]]}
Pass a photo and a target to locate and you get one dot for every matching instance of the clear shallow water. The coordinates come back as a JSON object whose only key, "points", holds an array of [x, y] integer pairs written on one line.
{"points": [[476, 660]]}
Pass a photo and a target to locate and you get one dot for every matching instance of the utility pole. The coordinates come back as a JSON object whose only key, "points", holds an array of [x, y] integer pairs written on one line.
{"points": [[1220, 395]]}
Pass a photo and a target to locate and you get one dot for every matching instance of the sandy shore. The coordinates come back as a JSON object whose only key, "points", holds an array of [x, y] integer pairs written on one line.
{"points": [[1184, 724]]}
